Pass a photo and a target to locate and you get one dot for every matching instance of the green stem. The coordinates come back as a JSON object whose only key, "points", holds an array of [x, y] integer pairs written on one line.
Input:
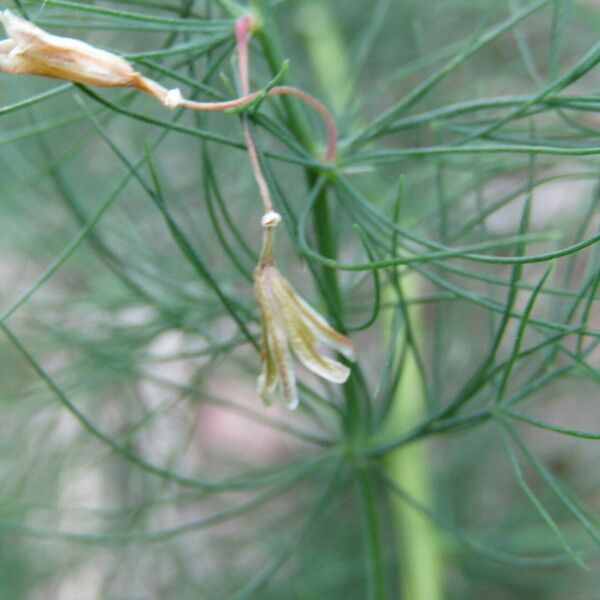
{"points": [[375, 580], [417, 539]]}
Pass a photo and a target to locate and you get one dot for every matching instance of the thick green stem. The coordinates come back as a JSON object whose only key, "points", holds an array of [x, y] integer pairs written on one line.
{"points": [[323, 38], [417, 539]]}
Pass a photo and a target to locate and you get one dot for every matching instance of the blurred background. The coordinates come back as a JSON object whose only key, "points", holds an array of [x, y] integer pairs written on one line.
{"points": [[136, 459]]}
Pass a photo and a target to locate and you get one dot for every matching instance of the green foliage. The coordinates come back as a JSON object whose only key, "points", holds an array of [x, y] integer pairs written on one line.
{"points": [[454, 238]]}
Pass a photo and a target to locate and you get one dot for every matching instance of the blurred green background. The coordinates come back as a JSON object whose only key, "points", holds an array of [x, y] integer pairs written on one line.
{"points": [[137, 461]]}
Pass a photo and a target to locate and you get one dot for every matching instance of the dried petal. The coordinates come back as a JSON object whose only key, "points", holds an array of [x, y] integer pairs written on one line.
{"points": [[303, 339], [267, 380], [282, 358], [33, 51], [322, 366], [318, 325], [289, 322]]}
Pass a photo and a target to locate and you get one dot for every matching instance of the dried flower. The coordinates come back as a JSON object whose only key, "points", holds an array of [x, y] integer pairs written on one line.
{"points": [[33, 51], [288, 322]]}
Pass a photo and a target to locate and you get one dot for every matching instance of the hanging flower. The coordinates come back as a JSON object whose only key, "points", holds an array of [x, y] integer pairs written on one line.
{"points": [[33, 51], [289, 323]]}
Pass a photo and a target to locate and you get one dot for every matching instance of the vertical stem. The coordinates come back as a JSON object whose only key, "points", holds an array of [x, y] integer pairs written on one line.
{"points": [[324, 233], [417, 539], [326, 47], [372, 534], [355, 420], [323, 38]]}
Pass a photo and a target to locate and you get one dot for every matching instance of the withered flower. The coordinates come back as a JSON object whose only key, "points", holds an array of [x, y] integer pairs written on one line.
{"points": [[288, 322], [33, 51]]}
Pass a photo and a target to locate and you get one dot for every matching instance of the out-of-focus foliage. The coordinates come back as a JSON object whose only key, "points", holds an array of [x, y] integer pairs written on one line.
{"points": [[455, 239]]}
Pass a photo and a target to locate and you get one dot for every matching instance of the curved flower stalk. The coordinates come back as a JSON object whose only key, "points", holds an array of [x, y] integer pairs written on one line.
{"points": [[289, 323], [32, 51]]}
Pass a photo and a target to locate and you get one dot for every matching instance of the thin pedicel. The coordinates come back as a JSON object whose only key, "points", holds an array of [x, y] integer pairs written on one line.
{"points": [[288, 323], [32, 51]]}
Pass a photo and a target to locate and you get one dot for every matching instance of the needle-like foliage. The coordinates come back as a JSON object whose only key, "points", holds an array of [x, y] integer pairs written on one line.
{"points": [[435, 167]]}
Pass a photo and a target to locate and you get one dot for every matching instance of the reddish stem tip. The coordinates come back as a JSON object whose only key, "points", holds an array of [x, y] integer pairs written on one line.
{"points": [[242, 27]]}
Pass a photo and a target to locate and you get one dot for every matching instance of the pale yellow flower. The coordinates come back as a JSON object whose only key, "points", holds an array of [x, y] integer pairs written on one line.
{"points": [[33, 51], [289, 325]]}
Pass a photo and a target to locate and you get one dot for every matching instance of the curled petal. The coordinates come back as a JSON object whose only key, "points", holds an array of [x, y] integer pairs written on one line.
{"points": [[318, 325], [303, 343], [276, 358], [323, 366]]}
